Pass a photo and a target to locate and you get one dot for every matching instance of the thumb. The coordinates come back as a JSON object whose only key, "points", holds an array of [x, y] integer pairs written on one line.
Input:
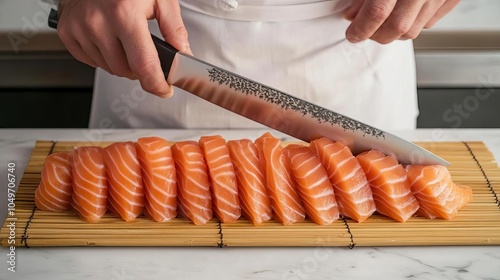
{"points": [[168, 15]]}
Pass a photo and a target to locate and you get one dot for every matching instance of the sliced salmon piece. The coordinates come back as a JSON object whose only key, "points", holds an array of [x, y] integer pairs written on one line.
{"points": [[193, 194], [55, 189], [224, 188], [352, 189], [160, 182], [389, 184], [285, 202], [438, 195], [250, 177], [125, 189], [90, 185], [313, 186]]}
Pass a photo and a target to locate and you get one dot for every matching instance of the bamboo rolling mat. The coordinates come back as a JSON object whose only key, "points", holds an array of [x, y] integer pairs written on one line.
{"points": [[478, 223]]}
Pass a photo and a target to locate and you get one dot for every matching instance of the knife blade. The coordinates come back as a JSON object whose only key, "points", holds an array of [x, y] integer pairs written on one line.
{"points": [[276, 109], [279, 110]]}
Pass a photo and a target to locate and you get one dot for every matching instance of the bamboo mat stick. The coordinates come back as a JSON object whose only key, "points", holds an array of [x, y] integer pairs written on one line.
{"points": [[132, 242]]}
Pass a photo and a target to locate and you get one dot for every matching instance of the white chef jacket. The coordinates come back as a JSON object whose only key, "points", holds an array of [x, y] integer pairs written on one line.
{"points": [[297, 46]]}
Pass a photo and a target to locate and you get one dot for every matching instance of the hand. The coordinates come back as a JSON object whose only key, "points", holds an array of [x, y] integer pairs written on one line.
{"points": [[114, 35], [387, 20]]}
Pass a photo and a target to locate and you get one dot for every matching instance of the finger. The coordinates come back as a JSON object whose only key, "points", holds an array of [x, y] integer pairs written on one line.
{"points": [[115, 57], [76, 50], [95, 54], [143, 58], [168, 15], [370, 17], [399, 22], [444, 10], [427, 12], [351, 12], [96, 40], [106, 49], [73, 46]]}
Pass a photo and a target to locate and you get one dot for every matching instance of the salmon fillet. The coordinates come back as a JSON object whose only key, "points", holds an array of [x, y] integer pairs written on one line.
{"points": [[438, 195], [352, 189], [160, 182], [224, 188], [285, 201], [193, 194], [55, 188], [260, 180], [90, 185], [254, 200], [125, 189], [313, 186], [389, 184]]}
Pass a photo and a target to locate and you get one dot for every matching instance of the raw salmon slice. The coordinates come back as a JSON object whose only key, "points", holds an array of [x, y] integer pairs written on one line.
{"points": [[195, 201], [250, 177], [224, 188], [438, 196], [90, 185], [285, 201], [54, 191], [389, 184], [160, 182], [352, 189], [313, 186], [125, 189]]}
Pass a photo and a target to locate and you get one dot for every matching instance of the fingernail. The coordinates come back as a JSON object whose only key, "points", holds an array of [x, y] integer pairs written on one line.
{"points": [[165, 96], [168, 94], [186, 48], [353, 39]]}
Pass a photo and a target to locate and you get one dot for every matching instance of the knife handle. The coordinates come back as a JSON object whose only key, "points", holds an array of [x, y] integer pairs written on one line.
{"points": [[53, 18], [165, 51]]}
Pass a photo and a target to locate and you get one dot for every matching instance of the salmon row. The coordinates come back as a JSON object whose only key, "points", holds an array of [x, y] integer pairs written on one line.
{"points": [[259, 180]]}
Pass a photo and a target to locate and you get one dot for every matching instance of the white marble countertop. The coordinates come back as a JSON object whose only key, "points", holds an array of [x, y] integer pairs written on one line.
{"points": [[451, 262]]}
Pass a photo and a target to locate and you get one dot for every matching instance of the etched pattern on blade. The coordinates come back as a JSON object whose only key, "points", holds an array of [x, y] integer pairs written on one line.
{"points": [[289, 102]]}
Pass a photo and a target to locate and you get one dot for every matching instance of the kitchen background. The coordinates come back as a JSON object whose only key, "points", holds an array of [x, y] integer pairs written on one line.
{"points": [[458, 70]]}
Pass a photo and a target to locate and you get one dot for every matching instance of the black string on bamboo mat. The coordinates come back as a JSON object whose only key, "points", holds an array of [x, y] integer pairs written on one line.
{"points": [[352, 244], [497, 201], [52, 147], [220, 244], [25, 236]]}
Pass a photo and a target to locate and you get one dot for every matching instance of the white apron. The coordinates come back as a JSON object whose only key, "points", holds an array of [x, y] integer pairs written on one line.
{"points": [[297, 46]]}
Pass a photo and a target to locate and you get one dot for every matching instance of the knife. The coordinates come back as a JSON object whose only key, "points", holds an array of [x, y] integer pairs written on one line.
{"points": [[276, 109]]}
